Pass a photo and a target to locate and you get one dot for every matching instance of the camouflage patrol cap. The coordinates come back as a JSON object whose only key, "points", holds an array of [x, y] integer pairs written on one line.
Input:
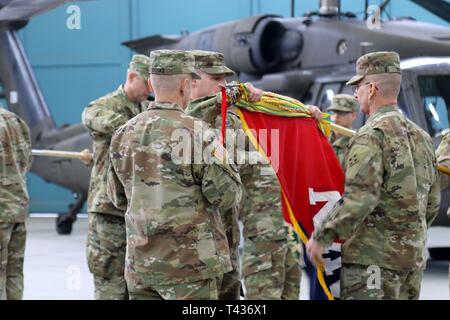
{"points": [[344, 103], [376, 63], [211, 62], [140, 64], [170, 62]]}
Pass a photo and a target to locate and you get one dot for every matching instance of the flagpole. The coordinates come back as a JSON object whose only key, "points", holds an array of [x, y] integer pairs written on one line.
{"points": [[57, 154], [342, 130], [349, 133]]}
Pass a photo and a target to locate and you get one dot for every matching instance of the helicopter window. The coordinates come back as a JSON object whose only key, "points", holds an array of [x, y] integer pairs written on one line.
{"points": [[205, 41], [436, 101], [327, 94]]}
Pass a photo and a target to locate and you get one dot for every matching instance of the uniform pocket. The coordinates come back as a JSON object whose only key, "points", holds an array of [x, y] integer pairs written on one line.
{"points": [[206, 246], [254, 262], [106, 248]]}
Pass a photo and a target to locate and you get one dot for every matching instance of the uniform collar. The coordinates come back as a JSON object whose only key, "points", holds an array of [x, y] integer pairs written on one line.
{"points": [[165, 105], [382, 110], [197, 108], [342, 141], [121, 92]]}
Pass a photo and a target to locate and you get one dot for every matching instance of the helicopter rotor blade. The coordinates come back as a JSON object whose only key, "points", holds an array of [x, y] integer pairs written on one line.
{"points": [[440, 8], [12, 10]]}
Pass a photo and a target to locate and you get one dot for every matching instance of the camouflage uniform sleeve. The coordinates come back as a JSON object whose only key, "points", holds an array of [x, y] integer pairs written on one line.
{"points": [[434, 201], [242, 144], [115, 190], [221, 186], [21, 144], [102, 119], [26, 147], [114, 187], [443, 158], [218, 176], [364, 176]]}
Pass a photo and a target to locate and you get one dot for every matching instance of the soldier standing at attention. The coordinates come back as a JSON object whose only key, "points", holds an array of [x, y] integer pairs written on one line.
{"points": [[106, 240], [391, 195], [344, 108], [174, 183], [211, 68], [15, 161], [270, 268], [443, 158]]}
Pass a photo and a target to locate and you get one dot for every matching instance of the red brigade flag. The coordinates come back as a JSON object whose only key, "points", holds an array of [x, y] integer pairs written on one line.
{"points": [[310, 174]]}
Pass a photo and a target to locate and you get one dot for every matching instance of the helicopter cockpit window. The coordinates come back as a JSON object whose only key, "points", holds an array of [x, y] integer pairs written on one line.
{"points": [[327, 94], [435, 94]]}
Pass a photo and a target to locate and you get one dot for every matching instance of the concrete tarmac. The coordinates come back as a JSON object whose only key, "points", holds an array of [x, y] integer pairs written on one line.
{"points": [[56, 268]]}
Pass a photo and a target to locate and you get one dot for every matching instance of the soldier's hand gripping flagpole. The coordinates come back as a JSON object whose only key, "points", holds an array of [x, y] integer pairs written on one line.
{"points": [[85, 156]]}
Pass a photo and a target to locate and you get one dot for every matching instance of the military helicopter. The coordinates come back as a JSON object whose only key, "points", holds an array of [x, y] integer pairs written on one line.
{"points": [[308, 58], [25, 98], [311, 57]]}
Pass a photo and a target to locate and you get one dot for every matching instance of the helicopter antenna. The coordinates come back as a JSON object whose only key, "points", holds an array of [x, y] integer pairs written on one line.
{"points": [[292, 8], [339, 9], [366, 6]]}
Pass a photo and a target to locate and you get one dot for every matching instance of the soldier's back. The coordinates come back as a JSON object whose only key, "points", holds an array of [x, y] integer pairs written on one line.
{"points": [[174, 234]]}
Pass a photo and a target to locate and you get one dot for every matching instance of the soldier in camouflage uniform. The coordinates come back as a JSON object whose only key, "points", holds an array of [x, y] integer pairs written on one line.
{"points": [[270, 263], [106, 236], [176, 242], [15, 161], [213, 73], [272, 255], [391, 196], [443, 158], [344, 108]]}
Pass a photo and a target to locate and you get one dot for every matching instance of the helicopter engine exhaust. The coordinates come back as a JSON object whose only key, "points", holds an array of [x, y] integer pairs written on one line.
{"points": [[258, 44]]}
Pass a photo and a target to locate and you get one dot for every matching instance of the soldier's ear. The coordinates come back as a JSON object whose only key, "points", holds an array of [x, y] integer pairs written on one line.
{"points": [[373, 89], [184, 84], [131, 76], [149, 83]]}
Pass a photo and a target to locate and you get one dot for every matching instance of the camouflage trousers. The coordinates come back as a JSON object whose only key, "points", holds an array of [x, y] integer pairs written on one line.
{"points": [[230, 288], [271, 270], [360, 282], [12, 250], [106, 245], [207, 289]]}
